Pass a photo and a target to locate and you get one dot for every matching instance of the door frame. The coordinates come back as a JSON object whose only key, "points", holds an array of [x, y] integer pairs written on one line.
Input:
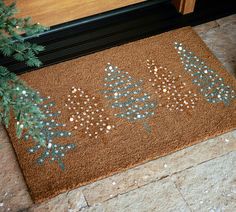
{"points": [[184, 6], [98, 32]]}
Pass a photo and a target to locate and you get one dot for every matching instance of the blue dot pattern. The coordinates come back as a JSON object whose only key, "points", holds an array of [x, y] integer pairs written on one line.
{"points": [[212, 86], [48, 128], [126, 95]]}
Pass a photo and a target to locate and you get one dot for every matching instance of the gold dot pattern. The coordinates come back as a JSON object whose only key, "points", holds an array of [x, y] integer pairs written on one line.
{"points": [[87, 114], [170, 89]]}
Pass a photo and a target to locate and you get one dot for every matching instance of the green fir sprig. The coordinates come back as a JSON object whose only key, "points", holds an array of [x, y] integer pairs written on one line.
{"points": [[13, 33], [12, 36]]}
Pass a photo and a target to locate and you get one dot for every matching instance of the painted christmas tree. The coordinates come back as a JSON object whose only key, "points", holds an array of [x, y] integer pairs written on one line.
{"points": [[48, 128], [127, 96], [211, 85], [87, 114], [171, 89]]}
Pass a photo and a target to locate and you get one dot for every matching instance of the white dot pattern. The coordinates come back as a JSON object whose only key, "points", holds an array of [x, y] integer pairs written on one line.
{"points": [[170, 88], [87, 114]]}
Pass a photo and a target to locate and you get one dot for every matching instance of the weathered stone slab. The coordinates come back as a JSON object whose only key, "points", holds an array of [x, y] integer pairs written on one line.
{"points": [[72, 201], [157, 196], [210, 186], [203, 28], [228, 20], [59, 203], [221, 40], [76, 201], [13, 191]]}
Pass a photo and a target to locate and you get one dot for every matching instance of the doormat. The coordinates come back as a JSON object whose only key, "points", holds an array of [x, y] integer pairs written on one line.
{"points": [[121, 107]]}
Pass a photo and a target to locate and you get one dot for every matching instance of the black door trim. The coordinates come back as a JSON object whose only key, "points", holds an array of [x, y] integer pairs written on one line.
{"points": [[91, 34]]}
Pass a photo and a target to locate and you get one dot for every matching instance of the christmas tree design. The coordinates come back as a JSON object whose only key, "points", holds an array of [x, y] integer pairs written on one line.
{"points": [[212, 86], [48, 128], [170, 88], [87, 114], [127, 96]]}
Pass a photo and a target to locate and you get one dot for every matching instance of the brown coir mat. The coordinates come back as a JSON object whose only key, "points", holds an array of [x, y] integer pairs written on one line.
{"points": [[115, 109]]}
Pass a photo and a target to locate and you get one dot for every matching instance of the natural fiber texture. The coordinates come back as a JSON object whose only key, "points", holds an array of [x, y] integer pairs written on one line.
{"points": [[172, 122]]}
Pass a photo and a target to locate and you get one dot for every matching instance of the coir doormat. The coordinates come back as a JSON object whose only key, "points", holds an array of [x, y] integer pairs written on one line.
{"points": [[121, 107]]}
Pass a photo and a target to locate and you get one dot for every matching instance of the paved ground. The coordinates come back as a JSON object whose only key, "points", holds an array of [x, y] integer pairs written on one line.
{"points": [[198, 178]]}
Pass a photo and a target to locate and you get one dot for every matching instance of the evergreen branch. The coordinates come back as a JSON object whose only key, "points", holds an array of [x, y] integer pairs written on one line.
{"points": [[12, 42], [51, 130], [16, 98], [26, 111]]}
